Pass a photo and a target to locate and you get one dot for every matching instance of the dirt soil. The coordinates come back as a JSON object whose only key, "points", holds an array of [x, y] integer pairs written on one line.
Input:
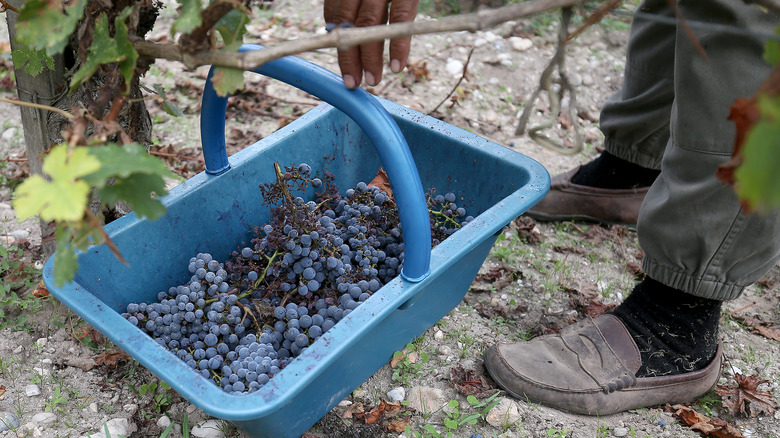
{"points": [[61, 378]]}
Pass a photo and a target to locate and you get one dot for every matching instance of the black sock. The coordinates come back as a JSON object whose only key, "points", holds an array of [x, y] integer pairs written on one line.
{"points": [[676, 332], [610, 172]]}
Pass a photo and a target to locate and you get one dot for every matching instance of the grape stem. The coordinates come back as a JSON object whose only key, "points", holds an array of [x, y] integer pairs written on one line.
{"points": [[445, 217]]}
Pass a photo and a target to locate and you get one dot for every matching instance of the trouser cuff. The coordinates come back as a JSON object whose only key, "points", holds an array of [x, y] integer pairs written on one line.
{"points": [[700, 287]]}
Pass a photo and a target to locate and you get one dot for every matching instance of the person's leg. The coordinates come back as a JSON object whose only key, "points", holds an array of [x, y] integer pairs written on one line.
{"points": [[635, 123], [660, 345]]}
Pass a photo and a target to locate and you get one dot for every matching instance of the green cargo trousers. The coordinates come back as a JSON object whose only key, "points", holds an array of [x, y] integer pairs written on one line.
{"points": [[671, 114]]}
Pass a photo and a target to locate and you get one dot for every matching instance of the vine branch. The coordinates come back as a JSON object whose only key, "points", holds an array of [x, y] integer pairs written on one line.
{"points": [[347, 37], [39, 106]]}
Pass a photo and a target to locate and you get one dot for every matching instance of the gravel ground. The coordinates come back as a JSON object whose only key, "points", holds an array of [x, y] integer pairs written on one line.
{"points": [[61, 378]]}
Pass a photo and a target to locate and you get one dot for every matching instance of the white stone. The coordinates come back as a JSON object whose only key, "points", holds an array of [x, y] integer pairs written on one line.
{"points": [[41, 342], [396, 395], [164, 421], [439, 335], [93, 407], [587, 80], [18, 350], [46, 361], [520, 44], [20, 234], [503, 414], [454, 67], [208, 429], [345, 403], [493, 81], [41, 371], [43, 418], [444, 350], [32, 390], [130, 408], [426, 399], [479, 42], [507, 63], [9, 133], [620, 431]]}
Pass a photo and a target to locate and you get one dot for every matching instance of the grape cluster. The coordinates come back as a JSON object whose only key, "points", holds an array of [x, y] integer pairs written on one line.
{"points": [[241, 321]]}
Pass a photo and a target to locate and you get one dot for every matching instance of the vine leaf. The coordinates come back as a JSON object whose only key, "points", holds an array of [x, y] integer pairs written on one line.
{"points": [[189, 16], [772, 50], [167, 105], [106, 50], [64, 198], [32, 60], [45, 25], [758, 182], [136, 176], [745, 398], [231, 28]]}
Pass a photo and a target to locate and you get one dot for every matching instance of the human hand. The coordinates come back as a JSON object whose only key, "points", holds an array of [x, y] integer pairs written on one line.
{"points": [[368, 58]]}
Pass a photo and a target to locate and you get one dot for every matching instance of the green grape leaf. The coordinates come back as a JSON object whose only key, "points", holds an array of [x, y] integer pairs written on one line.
{"points": [[227, 80], [758, 181], [136, 177], [43, 26], [66, 263], [136, 190], [232, 28], [65, 196], [103, 50], [189, 16], [122, 161], [32, 60], [772, 49], [124, 46], [167, 105]]}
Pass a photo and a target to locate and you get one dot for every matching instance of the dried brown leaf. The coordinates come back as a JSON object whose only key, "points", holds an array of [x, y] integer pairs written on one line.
{"points": [[40, 291], [635, 269], [745, 398], [526, 229], [387, 415], [705, 425], [382, 182], [497, 278], [469, 382], [355, 409], [2, 390], [569, 249], [111, 359], [760, 327]]}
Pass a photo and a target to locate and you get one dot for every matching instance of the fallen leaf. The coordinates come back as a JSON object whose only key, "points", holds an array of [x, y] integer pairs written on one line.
{"points": [[635, 269], [745, 398], [468, 382], [2, 390], [40, 291], [760, 327], [353, 410], [569, 249], [506, 312], [526, 229], [111, 359], [382, 182], [394, 361], [703, 424], [597, 234], [387, 415], [496, 278], [87, 334]]}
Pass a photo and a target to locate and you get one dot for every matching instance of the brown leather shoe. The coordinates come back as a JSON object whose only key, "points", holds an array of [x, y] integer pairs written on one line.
{"points": [[567, 201], [589, 368]]}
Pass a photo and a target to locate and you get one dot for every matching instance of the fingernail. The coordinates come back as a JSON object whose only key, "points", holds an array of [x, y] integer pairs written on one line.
{"points": [[329, 27], [370, 79], [349, 81], [395, 65]]}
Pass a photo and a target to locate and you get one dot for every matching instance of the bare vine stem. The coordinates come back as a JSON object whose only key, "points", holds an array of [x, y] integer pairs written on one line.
{"points": [[348, 37], [39, 106], [462, 76]]}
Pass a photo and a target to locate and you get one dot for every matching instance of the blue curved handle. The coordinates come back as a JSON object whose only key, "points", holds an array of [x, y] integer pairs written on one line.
{"points": [[375, 121]]}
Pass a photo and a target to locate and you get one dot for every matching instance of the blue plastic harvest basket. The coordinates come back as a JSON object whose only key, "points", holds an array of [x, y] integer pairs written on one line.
{"points": [[212, 212]]}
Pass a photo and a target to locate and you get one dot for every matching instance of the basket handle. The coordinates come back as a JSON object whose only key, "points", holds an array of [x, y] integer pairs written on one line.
{"points": [[370, 115]]}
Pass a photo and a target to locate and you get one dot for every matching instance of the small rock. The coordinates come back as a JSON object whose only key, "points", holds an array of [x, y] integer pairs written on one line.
{"points": [[587, 80], [520, 44], [43, 418], [439, 335], [93, 407], [32, 390], [8, 421], [620, 431], [84, 363], [503, 414], [444, 350], [396, 395], [9, 133], [20, 234], [426, 399], [41, 371], [46, 361], [345, 403], [116, 427], [164, 421], [494, 302], [208, 429], [7, 240], [507, 63], [130, 408], [18, 350], [41, 342], [479, 42], [454, 67]]}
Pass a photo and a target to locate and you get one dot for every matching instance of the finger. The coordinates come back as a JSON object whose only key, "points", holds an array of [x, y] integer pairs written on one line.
{"points": [[372, 13], [401, 11], [344, 13]]}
